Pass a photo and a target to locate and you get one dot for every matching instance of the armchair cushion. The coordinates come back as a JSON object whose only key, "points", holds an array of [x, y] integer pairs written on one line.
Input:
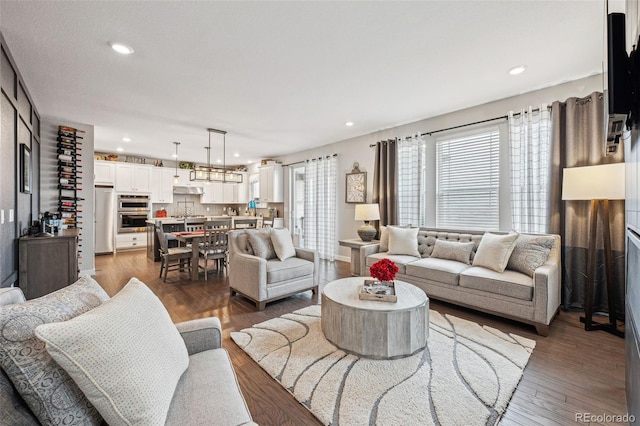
{"points": [[43, 383], [126, 355], [290, 269], [260, 241]]}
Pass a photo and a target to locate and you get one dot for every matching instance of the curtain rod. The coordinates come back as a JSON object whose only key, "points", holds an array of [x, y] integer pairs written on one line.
{"points": [[306, 161], [502, 117]]}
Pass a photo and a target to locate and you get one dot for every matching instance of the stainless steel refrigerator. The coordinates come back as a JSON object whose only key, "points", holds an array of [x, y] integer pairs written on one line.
{"points": [[104, 219]]}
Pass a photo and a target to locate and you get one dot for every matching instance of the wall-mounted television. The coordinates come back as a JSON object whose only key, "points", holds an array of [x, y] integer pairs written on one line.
{"points": [[616, 83]]}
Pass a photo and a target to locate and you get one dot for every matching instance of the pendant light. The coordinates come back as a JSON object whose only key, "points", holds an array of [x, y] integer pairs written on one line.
{"points": [[204, 173], [176, 176]]}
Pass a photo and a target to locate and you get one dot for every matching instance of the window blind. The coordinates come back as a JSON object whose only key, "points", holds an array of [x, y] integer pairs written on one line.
{"points": [[468, 178]]}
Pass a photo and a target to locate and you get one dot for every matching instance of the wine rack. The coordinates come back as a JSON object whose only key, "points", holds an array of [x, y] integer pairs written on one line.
{"points": [[69, 149]]}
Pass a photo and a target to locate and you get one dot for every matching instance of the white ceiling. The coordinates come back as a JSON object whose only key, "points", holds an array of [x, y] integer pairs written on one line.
{"points": [[282, 77]]}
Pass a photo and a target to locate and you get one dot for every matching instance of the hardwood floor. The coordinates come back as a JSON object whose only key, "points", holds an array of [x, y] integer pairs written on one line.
{"points": [[570, 371]]}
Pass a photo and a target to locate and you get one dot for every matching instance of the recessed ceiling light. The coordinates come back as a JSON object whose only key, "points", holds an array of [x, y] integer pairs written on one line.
{"points": [[174, 155], [218, 161], [236, 155], [121, 48], [349, 123], [119, 149], [249, 161], [126, 139], [517, 70]]}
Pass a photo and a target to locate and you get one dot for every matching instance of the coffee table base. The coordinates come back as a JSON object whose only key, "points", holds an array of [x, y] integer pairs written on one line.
{"points": [[380, 334]]}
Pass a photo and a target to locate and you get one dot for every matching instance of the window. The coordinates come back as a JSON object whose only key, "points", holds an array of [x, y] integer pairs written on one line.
{"points": [[411, 181], [468, 180]]}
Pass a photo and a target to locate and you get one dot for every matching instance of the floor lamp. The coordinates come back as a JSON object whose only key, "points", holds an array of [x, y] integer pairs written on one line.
{"points": [[598, 184]]}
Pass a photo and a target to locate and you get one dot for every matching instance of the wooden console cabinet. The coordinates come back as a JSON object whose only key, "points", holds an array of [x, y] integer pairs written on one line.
{"points": [[47, 264]]}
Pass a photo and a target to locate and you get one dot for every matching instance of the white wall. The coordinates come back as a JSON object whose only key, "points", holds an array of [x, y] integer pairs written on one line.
{"points": [[357, 149], [49, 183]]}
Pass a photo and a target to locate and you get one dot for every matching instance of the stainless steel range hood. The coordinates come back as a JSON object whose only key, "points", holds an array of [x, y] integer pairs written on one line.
{"points": [[185, 190]]}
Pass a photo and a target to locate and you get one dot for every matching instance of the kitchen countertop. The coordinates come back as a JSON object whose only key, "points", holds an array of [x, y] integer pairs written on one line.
{"points": [[176, 220]]}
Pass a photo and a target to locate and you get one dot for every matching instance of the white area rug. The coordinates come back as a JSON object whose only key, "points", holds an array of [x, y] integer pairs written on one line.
{"points": [[465, 376]]}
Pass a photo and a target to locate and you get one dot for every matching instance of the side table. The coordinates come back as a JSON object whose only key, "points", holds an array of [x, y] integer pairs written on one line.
{"points": [[355, 244]]}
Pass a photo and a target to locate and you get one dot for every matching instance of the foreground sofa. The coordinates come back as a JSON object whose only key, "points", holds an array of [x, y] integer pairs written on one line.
{"points": [[260, 271], [207, 393], [510, 294]]}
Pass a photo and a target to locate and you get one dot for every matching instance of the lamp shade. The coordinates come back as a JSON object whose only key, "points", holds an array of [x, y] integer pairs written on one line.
{"points": [[603, 182], [367, 212]]}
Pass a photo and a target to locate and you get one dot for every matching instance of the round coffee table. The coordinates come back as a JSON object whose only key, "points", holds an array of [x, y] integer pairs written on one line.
{"points": [[375, 329]]}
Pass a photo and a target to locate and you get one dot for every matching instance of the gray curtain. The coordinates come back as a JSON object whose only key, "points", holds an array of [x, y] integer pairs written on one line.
{"points": [[385, 181], [578, 140]]}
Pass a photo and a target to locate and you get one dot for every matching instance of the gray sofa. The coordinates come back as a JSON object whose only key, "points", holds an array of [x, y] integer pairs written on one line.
{"points": [[267, 279], [510, 294], [206, 394]]}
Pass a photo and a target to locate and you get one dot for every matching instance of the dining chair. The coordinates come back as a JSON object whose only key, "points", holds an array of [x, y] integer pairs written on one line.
{"points": [[216, 244], [173, 258], [192, 225]]}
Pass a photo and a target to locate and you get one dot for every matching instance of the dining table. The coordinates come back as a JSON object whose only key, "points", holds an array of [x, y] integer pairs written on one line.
{"points": [[194, 238]]}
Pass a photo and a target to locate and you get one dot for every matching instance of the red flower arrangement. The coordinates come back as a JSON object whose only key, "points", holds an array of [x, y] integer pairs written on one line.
{"points": [[384, 270]]}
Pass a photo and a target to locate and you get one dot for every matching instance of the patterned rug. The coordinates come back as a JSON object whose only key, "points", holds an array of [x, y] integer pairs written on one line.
{"points": [[465, 376]]}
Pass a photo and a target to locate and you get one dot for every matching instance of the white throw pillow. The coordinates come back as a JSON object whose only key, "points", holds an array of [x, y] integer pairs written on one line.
{"points": [[384, 239], [282, 243], [126, 355], [494, 251], [403, 241]]}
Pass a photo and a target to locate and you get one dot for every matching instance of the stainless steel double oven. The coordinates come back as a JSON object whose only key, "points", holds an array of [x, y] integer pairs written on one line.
{"points": [[133, 212]]}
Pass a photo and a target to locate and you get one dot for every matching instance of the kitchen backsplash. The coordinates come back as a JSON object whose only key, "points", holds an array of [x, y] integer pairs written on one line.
{"points": [[190, 205]]}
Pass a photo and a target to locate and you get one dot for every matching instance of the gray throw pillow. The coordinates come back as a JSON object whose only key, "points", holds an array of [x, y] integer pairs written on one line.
{"points": [[260, 241], [54, 398], [450, 250], [530, 252]]}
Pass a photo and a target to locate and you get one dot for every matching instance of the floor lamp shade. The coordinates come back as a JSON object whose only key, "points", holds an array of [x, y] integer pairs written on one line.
{"points": [[604, 182], [598, 184], [367, 212]]}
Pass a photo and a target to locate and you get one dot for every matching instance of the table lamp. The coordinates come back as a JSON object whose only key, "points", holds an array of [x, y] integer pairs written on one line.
{"points": [[599, 184], [367, 212]]}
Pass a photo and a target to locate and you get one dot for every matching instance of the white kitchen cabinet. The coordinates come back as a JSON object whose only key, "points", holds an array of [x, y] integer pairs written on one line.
{"points": [[134, 240], [213, 193], [162, 185], [184, 179], [271, 184], [133, 178], [104, 172]]}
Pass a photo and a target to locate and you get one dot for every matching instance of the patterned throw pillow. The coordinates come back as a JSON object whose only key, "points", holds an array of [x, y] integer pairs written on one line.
{"points": [[260, 241], [452, 250], [531, 251], [13, 410], [52, 395], [126, 355]]}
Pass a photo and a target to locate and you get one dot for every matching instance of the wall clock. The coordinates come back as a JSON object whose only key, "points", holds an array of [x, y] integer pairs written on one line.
{"points": [[356, 186]]}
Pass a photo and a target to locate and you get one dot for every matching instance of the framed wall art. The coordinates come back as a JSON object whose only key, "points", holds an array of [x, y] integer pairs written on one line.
{"points": [[356, 186], [25, 169]]}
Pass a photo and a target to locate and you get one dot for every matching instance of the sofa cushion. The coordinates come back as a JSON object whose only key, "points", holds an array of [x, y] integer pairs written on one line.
{"points": [[460, 252], [282, 243], [400, 260], [261, 245], [126, 355], [13, 410], [530, 252], [289, 269], [507, 283], [48, 390], [494, 251], [403, 241], [208, 393], [434, 269]]}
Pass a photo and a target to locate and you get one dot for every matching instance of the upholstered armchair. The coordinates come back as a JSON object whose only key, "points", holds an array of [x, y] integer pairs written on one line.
{"points": [[257, 272]]}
